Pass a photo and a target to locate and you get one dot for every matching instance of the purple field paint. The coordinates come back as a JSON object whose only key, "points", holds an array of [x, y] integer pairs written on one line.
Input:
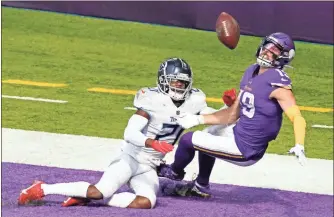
{"points": [[307, 21], [227, 200]]}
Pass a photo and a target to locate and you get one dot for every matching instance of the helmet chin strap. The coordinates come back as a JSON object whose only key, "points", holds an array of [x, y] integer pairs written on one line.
{"points": [[175, 95]]}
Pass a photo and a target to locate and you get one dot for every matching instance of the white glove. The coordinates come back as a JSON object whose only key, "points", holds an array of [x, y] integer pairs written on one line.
{"points": [[298, 150], [189, 120]]}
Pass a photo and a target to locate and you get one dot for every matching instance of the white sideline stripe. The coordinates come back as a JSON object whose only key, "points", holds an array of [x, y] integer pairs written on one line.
{"points": [[34, 99], [94, 153], [130, 108], [322, 126]]}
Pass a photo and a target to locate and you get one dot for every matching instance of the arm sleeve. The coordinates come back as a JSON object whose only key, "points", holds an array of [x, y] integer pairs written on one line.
{"points": [[299, 124], [133, 131]]}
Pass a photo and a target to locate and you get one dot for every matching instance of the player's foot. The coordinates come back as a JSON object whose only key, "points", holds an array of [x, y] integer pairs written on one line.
{"points": [[174, 188], [75, 201], [34, 192], [197, 190], [165, 170], [185, 189]]}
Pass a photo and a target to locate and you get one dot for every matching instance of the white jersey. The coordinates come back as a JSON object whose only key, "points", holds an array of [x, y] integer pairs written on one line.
{"points": [[162, 123]]}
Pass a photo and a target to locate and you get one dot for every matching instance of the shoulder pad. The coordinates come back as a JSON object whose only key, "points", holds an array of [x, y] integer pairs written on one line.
{"points": [[198, 98], [144, 98], [198, 94]]}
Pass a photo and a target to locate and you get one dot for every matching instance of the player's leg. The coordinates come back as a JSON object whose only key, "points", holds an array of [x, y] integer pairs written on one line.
{"points": [[205, 163], [117, 174], [40, 189], [221, 147], [184, 154], [145, 186]]}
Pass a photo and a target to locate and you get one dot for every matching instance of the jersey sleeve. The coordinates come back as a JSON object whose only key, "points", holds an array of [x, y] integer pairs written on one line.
{"points": [[280, 78]]}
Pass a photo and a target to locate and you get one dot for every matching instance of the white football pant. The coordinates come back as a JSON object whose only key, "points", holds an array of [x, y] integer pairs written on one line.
{"points": [[218, 141], [124, 169]]}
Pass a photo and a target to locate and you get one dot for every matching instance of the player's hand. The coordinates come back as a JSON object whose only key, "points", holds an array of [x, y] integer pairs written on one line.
{"points": [[229, 96], [161, 146], [298, 150], [189, 120]]}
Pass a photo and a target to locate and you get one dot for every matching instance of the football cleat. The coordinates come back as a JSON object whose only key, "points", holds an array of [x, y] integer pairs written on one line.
{"points": [[75, 201], [197, 190], [165, 170], [185, 189], [32, 193]]}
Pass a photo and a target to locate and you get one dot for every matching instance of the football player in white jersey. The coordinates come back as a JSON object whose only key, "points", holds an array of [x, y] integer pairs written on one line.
{"points": [[150, 133]]}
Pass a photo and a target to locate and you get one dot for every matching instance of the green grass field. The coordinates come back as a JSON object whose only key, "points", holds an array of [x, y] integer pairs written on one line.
{"points": [[87, 52]]}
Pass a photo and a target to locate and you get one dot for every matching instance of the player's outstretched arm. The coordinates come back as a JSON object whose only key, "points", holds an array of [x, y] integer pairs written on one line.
{"points": [[287, 102], [228, 97], [221, 117], [225, 116]]}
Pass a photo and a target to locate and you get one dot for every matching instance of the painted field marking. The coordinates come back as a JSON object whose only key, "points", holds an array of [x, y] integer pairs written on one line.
{"points": [[114, 91], [208, 99], [130, 108], [315, 109], [133, 92], [34, 83], [33, 99], [322, 126]]}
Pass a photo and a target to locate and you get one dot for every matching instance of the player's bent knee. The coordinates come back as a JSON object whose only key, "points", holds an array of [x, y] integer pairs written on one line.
{"points": [[186, 140], [94, 193], [141, 202]]}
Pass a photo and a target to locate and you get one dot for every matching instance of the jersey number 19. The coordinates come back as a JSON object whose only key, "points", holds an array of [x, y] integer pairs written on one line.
{"points": [[248, 108]]}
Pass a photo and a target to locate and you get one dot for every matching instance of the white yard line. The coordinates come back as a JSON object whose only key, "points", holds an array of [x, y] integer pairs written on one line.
{"points": [[33, 99], [94, 153], [322, 126]]}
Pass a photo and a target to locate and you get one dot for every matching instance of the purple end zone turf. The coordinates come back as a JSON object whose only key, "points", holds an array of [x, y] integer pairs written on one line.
{"points": [[228, 200]]}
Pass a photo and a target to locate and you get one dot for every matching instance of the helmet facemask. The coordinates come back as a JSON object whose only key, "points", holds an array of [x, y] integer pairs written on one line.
{"points": [[268, 55], [272, 54], [165, 85]]}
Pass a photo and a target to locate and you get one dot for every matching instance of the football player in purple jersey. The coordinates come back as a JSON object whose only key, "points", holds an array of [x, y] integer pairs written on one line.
{"points": [[252, 122]]}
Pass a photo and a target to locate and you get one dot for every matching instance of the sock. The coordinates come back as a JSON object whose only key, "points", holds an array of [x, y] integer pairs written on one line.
{"points": [[122, 200], [206, 164], [72, 189], [184, 154]]}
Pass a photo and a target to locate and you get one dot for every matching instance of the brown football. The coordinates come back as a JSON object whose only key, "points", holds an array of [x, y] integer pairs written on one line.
{"points": [[228, 30]]}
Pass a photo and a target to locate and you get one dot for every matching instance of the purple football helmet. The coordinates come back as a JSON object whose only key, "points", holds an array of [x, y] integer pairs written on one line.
{"points": [[286, 48]]}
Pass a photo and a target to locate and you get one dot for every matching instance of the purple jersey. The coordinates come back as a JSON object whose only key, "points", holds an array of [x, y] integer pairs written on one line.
{"points": [[260, 117]]}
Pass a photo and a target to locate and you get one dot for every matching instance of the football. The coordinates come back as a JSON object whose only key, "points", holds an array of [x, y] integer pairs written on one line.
{"points": [[228, 30]]}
